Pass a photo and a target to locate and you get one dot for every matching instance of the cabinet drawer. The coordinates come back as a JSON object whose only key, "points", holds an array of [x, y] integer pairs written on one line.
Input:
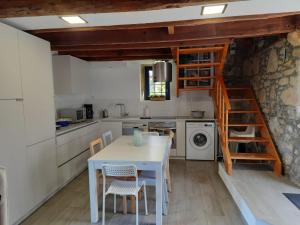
{"points": [[65, 138], [71, 169], [67, 151]]}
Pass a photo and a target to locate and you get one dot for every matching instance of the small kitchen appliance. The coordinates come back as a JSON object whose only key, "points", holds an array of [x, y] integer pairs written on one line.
{"points": [[77, 115], [89, 111]]}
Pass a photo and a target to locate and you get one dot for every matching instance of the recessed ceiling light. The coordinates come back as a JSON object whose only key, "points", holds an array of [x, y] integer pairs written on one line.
{"points": [[213, 9], [73, 19]]}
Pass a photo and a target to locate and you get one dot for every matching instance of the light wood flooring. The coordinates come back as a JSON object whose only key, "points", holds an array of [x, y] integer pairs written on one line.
{"points": [[199, 197]]}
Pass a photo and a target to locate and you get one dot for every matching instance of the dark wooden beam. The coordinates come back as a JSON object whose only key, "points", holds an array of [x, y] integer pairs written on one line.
{"points": [[126, 58], [20, 8], [119, 53], [237, 29], [170, 44], [171, 23]]}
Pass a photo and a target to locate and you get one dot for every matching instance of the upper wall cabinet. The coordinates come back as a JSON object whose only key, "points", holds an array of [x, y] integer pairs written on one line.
{"points": [[10, 80], [70, 75], [37, 85]]}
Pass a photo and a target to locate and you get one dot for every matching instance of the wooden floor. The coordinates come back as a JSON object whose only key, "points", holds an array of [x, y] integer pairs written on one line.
{"points": [[199, 197]]}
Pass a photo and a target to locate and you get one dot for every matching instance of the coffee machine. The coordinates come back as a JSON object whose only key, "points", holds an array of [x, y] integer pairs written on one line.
{"points": [[89, 111]]}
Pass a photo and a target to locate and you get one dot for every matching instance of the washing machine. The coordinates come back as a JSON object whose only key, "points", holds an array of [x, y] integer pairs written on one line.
{"points": [[200, 140]]}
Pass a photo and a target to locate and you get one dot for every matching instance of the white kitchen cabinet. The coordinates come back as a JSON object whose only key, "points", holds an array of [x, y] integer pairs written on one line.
{"points": [[114, 126], [37, 85], [73, 151], [10, 80], [13, 157], [71, 169], [70, 75], [42, 171], [180, 138]]}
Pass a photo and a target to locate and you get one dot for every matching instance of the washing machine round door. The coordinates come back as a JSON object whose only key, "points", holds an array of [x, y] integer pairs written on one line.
{"points": [[200, 140]]}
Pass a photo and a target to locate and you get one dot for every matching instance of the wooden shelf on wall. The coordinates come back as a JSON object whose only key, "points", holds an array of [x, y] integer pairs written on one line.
{"points": [[208, 58]]}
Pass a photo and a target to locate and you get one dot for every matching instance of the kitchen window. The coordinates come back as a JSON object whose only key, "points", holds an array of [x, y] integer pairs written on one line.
{"points": [[155, 91]]}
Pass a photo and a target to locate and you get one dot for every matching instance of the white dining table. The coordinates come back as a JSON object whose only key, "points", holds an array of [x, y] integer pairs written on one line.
{"points": [[149, 156]]}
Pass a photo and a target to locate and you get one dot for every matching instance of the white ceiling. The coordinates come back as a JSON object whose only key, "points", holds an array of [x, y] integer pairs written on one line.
{"points": [[241, 8]]}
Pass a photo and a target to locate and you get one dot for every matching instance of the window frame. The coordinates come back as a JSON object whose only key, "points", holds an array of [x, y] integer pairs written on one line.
{"points": [[147, 96]]}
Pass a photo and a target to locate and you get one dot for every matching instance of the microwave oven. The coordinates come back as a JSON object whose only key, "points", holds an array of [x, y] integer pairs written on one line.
{"points": [[75, 114]]}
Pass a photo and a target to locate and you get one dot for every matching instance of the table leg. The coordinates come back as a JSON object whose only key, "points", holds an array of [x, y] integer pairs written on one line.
{"points": [[93, 193], [158, 191]]}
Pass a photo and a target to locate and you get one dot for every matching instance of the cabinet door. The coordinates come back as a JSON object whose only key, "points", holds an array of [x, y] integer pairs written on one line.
{"points": [[79, 72], [10, 80], [180, 138], [13, 157], [37, 84], [42, 171]]}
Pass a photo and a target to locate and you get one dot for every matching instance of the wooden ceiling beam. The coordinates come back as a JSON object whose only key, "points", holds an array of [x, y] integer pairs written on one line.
{"points": [[237, 29], [168, 24], [23, 8], [162, 57], [171, 44], [119, 53]]}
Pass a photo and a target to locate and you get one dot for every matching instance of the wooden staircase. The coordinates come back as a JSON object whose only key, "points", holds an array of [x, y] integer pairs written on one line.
{"points": [[232, 102]]}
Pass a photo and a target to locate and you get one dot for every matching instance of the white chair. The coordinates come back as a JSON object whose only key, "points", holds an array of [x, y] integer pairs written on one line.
{"points": [[150, 178], [150, 133], [107, 137], [123, 187], [248, 133]]}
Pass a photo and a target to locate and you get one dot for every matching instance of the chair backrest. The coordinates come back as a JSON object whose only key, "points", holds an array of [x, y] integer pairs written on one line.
{"points": [[119, 170], [96, 146], [151, 133], [107, 137]]}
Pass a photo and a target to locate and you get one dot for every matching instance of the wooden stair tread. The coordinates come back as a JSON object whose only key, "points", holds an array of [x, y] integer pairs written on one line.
{"points": [[243, 111], [196, 88], [242, 99], [197, 78], [200, 50], [198, 65], [245, 125], [248, 139], [252, 156]]}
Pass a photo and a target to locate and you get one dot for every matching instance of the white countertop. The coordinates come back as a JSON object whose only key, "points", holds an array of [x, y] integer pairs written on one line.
{"points": [[159, 118], [74, 126]]}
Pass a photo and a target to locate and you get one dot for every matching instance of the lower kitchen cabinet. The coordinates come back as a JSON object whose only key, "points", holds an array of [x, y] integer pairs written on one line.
{"points": [[114, 127], [72, 168], [73, 152], [42, 171], [180, 138]]}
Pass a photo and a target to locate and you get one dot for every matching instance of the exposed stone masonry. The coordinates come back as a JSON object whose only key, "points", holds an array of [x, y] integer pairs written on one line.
{"points": [[274, 73]]}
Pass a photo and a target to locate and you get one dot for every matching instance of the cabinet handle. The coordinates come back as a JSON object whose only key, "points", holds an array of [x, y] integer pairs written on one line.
{"points": [[19, 99]]}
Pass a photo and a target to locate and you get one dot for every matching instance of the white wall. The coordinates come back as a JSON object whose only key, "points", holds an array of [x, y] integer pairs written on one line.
{"points": [[120, 82]]}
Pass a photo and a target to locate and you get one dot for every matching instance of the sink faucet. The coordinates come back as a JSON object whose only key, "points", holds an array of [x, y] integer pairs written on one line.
{"points": [[122, 109]]}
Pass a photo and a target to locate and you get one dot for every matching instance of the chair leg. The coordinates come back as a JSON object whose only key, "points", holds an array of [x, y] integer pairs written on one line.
{"points": [[169, 178], [145, 199], [125, 205], [166, 192], [132, 204], [103, 210], [115, 203], [137, 209]]}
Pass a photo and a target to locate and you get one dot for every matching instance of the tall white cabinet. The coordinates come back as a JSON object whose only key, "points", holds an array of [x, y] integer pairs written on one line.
{"points": [[37, 85], [27, 121], [10, 80]]}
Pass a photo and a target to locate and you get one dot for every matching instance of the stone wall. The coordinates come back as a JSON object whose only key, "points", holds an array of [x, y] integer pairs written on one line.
{"points": [[275, 76]]}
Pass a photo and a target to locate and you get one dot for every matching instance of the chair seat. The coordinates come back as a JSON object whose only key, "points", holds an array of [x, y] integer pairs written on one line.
{"points": [[121, 187]]}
